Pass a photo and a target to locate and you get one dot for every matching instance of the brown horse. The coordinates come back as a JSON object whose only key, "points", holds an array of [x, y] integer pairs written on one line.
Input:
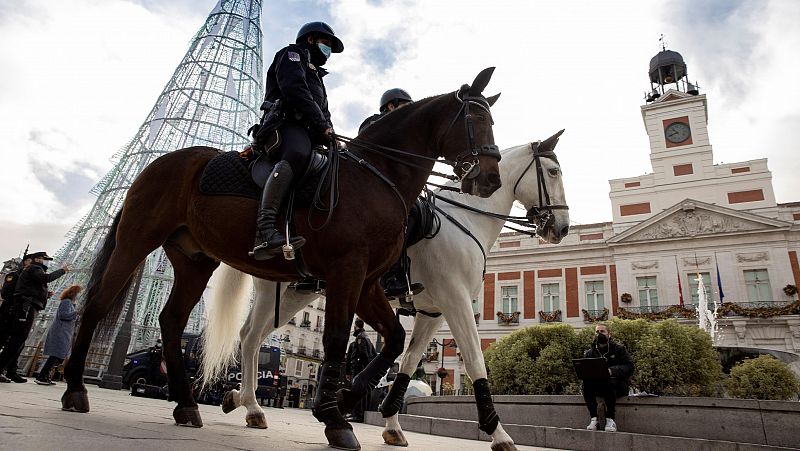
{"points": [[164, 207]]}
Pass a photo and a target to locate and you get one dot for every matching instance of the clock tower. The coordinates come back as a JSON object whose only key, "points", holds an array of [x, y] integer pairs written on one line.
{"points": [[675, 117]]}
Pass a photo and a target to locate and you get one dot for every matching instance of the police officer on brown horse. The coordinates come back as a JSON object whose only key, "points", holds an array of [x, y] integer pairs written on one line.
{"points": [[296, 105]]}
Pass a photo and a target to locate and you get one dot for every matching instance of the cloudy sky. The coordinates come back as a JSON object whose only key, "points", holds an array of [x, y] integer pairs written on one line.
{"points": [[79, 77]]}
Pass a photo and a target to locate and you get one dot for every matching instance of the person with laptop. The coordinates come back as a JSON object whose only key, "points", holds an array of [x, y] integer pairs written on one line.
{"points": [[620, 370]]}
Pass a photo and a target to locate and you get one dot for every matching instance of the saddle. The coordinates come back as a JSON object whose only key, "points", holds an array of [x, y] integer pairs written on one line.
{"points": [[243, 174]]}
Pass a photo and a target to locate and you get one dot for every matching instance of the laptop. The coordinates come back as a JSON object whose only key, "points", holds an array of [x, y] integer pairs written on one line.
{"points": [[591, 368]]}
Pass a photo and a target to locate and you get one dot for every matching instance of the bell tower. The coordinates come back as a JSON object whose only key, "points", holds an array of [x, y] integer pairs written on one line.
{"points": [[675, 117]]}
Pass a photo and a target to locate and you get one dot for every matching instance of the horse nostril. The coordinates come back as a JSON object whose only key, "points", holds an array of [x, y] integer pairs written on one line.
{"points": [[564, 231], [494, 179]]}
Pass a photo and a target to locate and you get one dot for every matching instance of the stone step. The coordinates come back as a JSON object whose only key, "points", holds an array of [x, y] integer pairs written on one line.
{"points": [[566, 438]]}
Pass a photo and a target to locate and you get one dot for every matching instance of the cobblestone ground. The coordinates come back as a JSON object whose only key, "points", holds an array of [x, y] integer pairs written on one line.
{"points": [[31, 419]]}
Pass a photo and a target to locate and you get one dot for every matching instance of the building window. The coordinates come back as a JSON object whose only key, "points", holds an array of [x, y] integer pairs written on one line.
{"points": [[595, 299], [757, 283], [694, 285], [550, 301], [648, 292], [509, 299], [298, 368]]}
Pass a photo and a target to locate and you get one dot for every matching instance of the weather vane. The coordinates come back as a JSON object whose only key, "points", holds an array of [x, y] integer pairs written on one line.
{"points": [[663, 42]]}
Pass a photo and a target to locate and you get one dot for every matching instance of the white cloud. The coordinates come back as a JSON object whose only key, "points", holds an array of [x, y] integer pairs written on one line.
{"points": [[85, 73]]}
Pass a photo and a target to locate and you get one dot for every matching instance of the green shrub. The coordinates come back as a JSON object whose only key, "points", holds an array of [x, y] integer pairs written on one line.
{"points": [[764, 377], [534, 361], [670, 358]]}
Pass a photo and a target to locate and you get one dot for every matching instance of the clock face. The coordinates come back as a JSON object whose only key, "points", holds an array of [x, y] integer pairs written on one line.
{"points": [[677, 132]]}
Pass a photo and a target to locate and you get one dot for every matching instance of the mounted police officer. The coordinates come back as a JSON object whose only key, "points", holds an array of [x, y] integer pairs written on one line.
{"points": [[390, 100], [396, 282], [30, 297], [296, 105]]}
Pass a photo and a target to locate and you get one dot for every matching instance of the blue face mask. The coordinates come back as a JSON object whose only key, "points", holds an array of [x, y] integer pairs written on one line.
{"points": [[324, 49]]}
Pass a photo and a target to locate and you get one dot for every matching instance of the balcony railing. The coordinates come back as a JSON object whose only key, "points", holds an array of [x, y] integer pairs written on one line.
{"points": [[306, 324], [592, 316], [301, 350], [508, 318], [756, 309], [316, 353], [550, 317]]}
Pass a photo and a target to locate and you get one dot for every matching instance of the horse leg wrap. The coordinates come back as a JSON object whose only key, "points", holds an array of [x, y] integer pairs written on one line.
{"points": [[363, 383], [487, 416], [394, 400], [325, 409]]}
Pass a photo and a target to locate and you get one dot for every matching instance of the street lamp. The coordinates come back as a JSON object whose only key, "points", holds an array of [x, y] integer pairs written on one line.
{"points": [[442, 372]]}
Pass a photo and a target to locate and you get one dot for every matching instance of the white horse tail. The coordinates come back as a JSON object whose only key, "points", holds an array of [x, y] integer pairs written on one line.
{"points": [[225, 312]]}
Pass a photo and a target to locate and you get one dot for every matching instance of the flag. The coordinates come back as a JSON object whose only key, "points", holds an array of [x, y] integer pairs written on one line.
{"points": [[680, 288], [719, 284]]}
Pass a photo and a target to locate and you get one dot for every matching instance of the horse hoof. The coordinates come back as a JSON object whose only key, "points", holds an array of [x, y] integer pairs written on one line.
{"points": [[228, 403], [394, 438], [76, 401], [188, 417], [257, 421], [342, 439], [346, 400], [504, 446]]}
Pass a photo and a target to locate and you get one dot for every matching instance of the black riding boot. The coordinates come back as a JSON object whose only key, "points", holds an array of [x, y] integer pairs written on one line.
{"points": [[269, 239], [396, 281]]}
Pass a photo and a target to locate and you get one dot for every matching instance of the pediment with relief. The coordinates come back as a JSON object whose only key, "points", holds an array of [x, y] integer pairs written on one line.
{"points": [[693, 223], [693, 218]]}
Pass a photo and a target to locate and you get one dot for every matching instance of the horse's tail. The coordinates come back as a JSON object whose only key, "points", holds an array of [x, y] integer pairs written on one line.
{"points": [[225, 310], [99, 265]]}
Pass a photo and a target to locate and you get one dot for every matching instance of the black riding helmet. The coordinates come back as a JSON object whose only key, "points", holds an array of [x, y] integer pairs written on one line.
{"points": [[323, 29], [392, 95]]}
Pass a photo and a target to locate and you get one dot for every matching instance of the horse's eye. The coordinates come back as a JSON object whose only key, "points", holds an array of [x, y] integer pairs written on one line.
{"points": [[554, 171]]}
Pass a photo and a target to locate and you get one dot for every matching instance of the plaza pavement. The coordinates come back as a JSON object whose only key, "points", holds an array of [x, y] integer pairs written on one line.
{"points": [[31, 419]]}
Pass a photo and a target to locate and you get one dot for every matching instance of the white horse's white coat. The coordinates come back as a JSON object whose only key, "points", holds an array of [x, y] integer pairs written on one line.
{"points": [[449, 265]]}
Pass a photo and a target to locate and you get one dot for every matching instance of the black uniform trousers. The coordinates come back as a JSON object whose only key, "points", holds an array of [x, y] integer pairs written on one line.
{"points": [[295, 147], [609, 389], [22, 317]]}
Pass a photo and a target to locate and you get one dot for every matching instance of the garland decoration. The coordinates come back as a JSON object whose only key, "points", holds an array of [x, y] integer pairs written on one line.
{"points": [[441, 372], [549, 317], [589, 318], [626, 298], [790, 290], [670, 312], [508, 319], [760, 312]]}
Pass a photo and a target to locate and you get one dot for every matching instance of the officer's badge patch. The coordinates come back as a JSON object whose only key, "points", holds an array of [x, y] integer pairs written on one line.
{"points": [[293, 56], [9, 278]]}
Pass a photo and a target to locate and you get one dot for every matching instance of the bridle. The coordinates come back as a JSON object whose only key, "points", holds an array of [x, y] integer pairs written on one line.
{"points": [[468, 161], [540, 214], [466, 164]]}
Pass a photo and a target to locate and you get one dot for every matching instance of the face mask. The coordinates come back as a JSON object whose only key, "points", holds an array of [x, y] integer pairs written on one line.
{"points": [[324, 49], [602, 339]]}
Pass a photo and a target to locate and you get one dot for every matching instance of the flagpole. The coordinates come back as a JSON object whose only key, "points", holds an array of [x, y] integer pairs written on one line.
{"points": [[680, 288]]}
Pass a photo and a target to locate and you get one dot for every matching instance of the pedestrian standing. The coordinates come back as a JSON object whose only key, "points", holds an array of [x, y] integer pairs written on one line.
{"points": [[58, 344], [30, 297], [359, 354]]}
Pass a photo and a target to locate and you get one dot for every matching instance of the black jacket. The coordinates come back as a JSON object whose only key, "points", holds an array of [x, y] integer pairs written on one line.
{"points": [[32, 284], [619, 362], [369, 121], [359, 354], [298, 83]]}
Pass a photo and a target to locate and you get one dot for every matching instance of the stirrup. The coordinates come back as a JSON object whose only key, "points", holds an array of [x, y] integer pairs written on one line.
{"points": [[263, 252]]}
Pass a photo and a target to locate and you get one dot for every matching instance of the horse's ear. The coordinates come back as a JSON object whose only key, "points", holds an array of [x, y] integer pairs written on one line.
{"points": [[481, 81], [493, 99], [550, 143]]}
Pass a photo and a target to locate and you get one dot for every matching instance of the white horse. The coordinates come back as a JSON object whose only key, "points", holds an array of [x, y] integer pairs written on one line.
{"points": [[524, 171]]}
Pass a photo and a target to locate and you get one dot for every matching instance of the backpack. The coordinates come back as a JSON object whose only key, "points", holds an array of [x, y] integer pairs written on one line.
{"points": [[9, 285]]}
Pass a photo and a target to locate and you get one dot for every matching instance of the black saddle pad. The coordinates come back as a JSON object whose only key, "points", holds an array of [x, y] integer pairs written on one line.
{"points": [[228, 175]]}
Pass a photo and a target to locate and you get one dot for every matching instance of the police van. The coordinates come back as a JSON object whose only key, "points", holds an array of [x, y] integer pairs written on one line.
{"points": [[145, 373]]}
